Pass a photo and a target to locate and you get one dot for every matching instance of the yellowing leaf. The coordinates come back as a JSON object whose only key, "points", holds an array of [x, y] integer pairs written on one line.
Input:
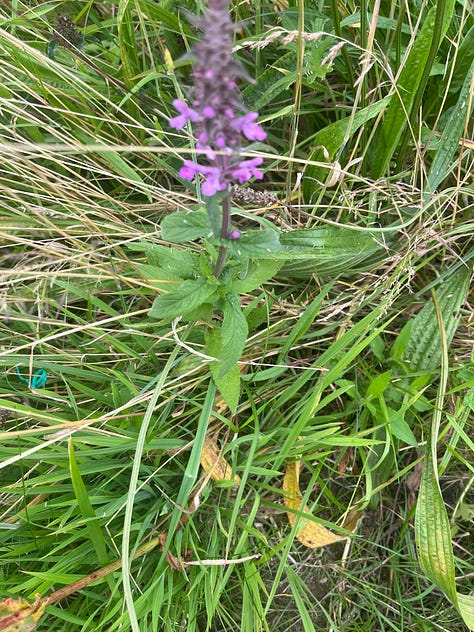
{"points": [[214, 463], [310, 533], [19, 615]]}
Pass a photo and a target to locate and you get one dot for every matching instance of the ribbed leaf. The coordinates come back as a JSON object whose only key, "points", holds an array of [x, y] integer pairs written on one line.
{"points": [[327, 250], [423, 350]]}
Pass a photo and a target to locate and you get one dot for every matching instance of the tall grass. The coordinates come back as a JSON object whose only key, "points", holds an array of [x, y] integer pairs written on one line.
{"points": [[359, 359]]}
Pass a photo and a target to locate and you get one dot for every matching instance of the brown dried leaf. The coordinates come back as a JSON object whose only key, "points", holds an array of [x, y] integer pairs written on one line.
{"points": [[214, 463], [310, 533]]}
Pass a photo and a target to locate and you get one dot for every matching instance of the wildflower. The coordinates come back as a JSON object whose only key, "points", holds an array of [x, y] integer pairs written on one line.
{"points": [[217, 114]]}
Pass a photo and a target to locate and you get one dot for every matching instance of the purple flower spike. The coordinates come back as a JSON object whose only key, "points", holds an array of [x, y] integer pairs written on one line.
{"points": [[218, 114]]}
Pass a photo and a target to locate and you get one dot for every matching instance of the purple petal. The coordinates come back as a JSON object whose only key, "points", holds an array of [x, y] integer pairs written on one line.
{"points": [[189, 170], [251, 130], [185, 114]]}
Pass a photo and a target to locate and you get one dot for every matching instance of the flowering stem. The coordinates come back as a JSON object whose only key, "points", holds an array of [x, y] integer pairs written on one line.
{"points": [[225, 228]]}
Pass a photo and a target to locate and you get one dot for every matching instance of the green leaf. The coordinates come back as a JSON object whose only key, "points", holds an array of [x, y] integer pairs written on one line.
{"points": [[333, 137], [228, 384], [423, 350], [256, 273], [183, 299], [432, 525], [378, 385], [183, 264], [258, 244], [181, 226], [86, 509], [327, 251], [400, 428], [234, 333]]}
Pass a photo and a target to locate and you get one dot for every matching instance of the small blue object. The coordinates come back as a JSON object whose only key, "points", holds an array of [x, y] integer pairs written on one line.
{"points": [[37, 381]]}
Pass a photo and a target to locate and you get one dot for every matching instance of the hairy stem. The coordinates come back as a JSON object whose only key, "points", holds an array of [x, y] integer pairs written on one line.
{"points": [[225, 228]]}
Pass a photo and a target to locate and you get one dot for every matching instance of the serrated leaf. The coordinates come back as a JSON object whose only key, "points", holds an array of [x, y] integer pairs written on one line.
{"points": [[258, 244], [228, 384], [181, 227], [234, 333], [181, 263], [258, 272], [183, 299]]}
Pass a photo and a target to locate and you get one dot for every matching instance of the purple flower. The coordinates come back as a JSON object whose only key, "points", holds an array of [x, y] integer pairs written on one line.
{"points": [[246, 169], [213, 182], [251, 130], [186, 114], [189, 170]]}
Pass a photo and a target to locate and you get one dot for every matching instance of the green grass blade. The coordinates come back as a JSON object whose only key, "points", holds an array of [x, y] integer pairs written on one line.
{"points": [[399, 109], [452, 134], [87, 511], [127, 589]]}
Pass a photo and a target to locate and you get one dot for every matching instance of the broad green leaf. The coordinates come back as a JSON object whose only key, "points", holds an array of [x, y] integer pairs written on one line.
{"points": [[398, 111], [327, 250], [234, 333], [181, 227], [228, 383], [183, 299], [423, 350], [258, 244], [452, 134], [400, 428], [256, 274], [378, 385], [432, 525], [182, 264]]}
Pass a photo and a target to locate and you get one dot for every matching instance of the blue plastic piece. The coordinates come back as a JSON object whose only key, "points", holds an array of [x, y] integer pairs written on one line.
{"points": [[37, 381]]}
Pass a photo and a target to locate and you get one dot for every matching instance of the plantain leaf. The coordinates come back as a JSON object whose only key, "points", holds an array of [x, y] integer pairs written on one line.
{"points": [[327, 250], [423, 350]]}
